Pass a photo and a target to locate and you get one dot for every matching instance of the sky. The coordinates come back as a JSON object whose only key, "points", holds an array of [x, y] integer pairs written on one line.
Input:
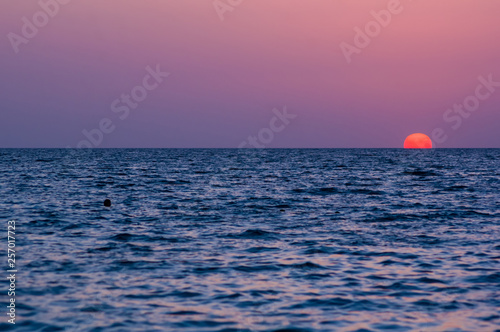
{"points": [[249, 73]]}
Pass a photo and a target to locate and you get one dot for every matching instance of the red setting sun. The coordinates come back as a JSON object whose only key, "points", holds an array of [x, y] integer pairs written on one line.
{"points": [[418, 141]]}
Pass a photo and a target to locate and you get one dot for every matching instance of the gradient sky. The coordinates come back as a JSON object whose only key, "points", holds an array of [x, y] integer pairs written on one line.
{"points": [[227, 76]]}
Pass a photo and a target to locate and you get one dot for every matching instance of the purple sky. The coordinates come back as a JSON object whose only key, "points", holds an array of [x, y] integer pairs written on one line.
{"points": [[234, 68]]}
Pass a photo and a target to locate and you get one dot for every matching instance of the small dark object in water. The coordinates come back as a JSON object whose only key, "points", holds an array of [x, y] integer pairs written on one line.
{"points": [[107, 203]]}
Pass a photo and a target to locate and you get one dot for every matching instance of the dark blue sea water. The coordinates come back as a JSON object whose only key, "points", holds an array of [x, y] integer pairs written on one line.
{"points": [[254, 240]]}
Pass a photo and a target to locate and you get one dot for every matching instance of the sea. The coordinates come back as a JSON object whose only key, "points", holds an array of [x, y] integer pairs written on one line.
{"points": [[230, 240]]}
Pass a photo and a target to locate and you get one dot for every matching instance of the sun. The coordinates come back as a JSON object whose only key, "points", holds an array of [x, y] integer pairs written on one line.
{"points": [[418, 141]]}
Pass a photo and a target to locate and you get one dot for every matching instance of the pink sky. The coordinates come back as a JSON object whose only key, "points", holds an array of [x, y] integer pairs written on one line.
{"points": [[226, 77]]}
